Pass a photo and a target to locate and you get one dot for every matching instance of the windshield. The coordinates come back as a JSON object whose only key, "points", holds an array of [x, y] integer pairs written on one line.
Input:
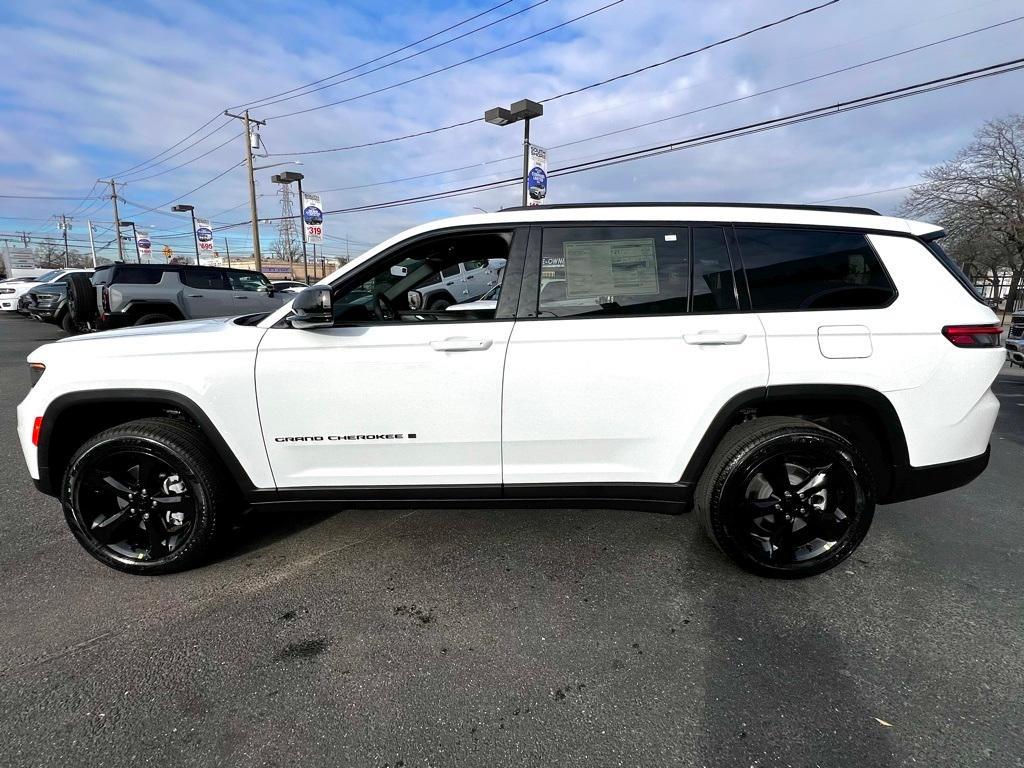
{"points": [[46, 276]]}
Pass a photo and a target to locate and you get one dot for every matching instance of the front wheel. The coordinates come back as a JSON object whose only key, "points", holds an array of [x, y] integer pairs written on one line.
{"points": [[153, 318], [785, 497], [145, 497]]}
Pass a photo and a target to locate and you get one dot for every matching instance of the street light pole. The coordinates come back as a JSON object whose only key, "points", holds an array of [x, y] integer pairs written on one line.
{"points": [[195, 239], [524, 110], [287, 178]]}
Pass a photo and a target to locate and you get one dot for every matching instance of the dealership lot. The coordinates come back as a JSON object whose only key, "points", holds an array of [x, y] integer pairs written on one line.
{"points": [[446, 637]]}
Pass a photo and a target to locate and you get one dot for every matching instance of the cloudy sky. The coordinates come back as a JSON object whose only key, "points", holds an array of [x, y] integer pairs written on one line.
{"points": [[94, 89]]}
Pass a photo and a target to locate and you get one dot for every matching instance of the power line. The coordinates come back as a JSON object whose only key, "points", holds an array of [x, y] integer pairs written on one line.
{"points": [[374, 61], [404, 58], [461, 123], [187, 162], [452, 66], [127, 171], [816, 113], [40, 197], [688, 113]]}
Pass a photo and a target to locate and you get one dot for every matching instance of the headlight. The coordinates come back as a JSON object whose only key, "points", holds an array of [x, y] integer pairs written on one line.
{"points": [[6, 290], [35, 372]]}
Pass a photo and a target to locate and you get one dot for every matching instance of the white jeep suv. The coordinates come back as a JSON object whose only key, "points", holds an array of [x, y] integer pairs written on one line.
{"points": [[780, 368]]}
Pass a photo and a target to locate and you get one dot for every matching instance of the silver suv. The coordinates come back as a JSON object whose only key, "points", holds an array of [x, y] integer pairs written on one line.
{"points": [[142, 294]]}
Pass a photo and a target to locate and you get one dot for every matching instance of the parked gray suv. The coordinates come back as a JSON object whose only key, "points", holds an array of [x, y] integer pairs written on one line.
{"points": [[140, 294]]}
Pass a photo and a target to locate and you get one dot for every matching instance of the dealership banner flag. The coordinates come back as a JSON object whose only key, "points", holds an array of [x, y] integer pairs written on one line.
{"points": [[145, 244], [537, 176], [313, 217], [204, 237]]}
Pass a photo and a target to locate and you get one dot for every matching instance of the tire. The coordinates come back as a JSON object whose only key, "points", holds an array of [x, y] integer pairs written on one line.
{"points": [[439, 305], [157, 472], [67, 323], [81, 298], [771, 524], [153, 317]]}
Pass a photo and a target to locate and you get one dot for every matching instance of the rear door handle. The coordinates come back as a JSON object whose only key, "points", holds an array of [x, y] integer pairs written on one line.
{"points": [[194, 296], [460, 345], [714, 338], [241, 297]]}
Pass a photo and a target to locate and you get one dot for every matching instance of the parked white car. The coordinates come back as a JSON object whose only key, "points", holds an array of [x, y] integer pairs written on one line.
{"points": [[10, 292], [782, 369], [288, 286]]}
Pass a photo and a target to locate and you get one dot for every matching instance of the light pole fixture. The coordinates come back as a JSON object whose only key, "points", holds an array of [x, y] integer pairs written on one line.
{"points": [[135, 236], [182, 208], [524, 110], [287, 178]]}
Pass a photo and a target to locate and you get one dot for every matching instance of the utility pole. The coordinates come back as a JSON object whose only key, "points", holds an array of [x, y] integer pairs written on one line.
{"points": [[244, 117], [24, 239], [64, 227], [117, 219], [227, 250], [92, 244]]}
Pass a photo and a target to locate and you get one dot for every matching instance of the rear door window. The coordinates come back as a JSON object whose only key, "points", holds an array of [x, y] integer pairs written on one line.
{"points": [[206, 279], [613, 271], [801, 269]]}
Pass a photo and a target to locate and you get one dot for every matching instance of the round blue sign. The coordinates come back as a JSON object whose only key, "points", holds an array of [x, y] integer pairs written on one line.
{"points": [[537, 183], [144, 242], [204, 234], [312, 215]]}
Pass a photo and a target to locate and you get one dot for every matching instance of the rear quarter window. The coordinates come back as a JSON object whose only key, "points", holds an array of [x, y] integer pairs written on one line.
{"points": [[804, 269], [137, 276]]}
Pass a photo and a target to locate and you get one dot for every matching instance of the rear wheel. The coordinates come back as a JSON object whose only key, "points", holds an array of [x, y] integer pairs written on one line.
{"points": [[786, 498], [145, 497], [153, 317]]}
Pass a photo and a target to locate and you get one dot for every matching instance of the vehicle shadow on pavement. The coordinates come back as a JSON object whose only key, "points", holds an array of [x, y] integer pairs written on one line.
{"points": [[255, 530]]}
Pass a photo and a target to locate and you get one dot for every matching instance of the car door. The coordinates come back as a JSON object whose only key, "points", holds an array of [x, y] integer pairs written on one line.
{"points": [[252, 292], [616, 367], [409, 402], [207, 293]]}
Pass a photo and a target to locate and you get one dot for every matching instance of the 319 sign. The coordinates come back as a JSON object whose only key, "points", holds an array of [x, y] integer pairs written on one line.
{"points": [[313, 217]]}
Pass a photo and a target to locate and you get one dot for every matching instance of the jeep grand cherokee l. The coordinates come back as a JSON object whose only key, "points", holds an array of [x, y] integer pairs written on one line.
{"points": [[781, 369]]}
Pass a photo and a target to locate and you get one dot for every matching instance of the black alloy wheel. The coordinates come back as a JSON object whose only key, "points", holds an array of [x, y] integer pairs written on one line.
{"points": [[786, 497], [143, 497]]}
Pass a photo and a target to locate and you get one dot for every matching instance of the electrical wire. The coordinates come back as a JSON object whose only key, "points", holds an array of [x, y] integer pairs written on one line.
{"points": [[406, 58], [450, 67], [461, 123]]}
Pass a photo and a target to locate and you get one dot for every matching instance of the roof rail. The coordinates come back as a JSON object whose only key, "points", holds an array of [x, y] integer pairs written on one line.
{"points": [[798, 207]]}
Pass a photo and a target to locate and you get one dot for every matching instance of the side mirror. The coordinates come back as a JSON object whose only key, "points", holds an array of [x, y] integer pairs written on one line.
{"points": [[415, 300], [311, 308]]}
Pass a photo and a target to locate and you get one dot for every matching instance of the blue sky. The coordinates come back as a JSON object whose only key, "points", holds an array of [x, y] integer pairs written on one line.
{"points": [[91, 89]]}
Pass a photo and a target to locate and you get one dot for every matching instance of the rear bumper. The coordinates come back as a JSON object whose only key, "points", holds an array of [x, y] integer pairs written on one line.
{"points": [[916, 482]]}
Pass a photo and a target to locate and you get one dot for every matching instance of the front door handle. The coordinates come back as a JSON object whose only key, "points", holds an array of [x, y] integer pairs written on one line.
{"points": [[241, 297], [194, 296], [460, 345], [714, 338]]}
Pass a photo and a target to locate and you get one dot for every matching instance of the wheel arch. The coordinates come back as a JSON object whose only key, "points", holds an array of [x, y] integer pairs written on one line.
{"points": [[136, 309], [862, 414], [72, 418]]}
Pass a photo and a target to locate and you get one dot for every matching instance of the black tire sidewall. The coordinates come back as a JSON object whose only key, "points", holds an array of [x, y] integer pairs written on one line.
{"points": [[149, 319], [81, 297], [439, 305], [731, 484], [166, 447]]}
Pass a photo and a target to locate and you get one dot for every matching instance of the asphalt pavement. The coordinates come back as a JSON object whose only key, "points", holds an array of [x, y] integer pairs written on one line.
{"points": [[537, 637]]}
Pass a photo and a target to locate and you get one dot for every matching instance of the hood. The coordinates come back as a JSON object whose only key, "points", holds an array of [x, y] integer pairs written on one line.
{"points": [[163, 330]]}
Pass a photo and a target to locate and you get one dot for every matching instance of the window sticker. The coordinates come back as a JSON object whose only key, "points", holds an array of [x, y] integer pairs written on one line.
{"points": [[610, 268]]}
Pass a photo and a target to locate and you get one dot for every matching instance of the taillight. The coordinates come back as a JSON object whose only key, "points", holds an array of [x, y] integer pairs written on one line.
{"points": [[37, 427], [106, 299], [973, 335]]}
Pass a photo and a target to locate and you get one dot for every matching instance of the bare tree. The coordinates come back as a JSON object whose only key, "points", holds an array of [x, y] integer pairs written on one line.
{"points": [[978, 196], [50, 255]]}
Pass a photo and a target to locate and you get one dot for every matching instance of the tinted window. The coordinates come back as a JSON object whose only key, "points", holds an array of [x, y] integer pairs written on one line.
{"points": [[602, 271], [713, 286], [137, 276], [101, 276], [810, 269], [208, 279], [248, 281], [451, 271]]}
